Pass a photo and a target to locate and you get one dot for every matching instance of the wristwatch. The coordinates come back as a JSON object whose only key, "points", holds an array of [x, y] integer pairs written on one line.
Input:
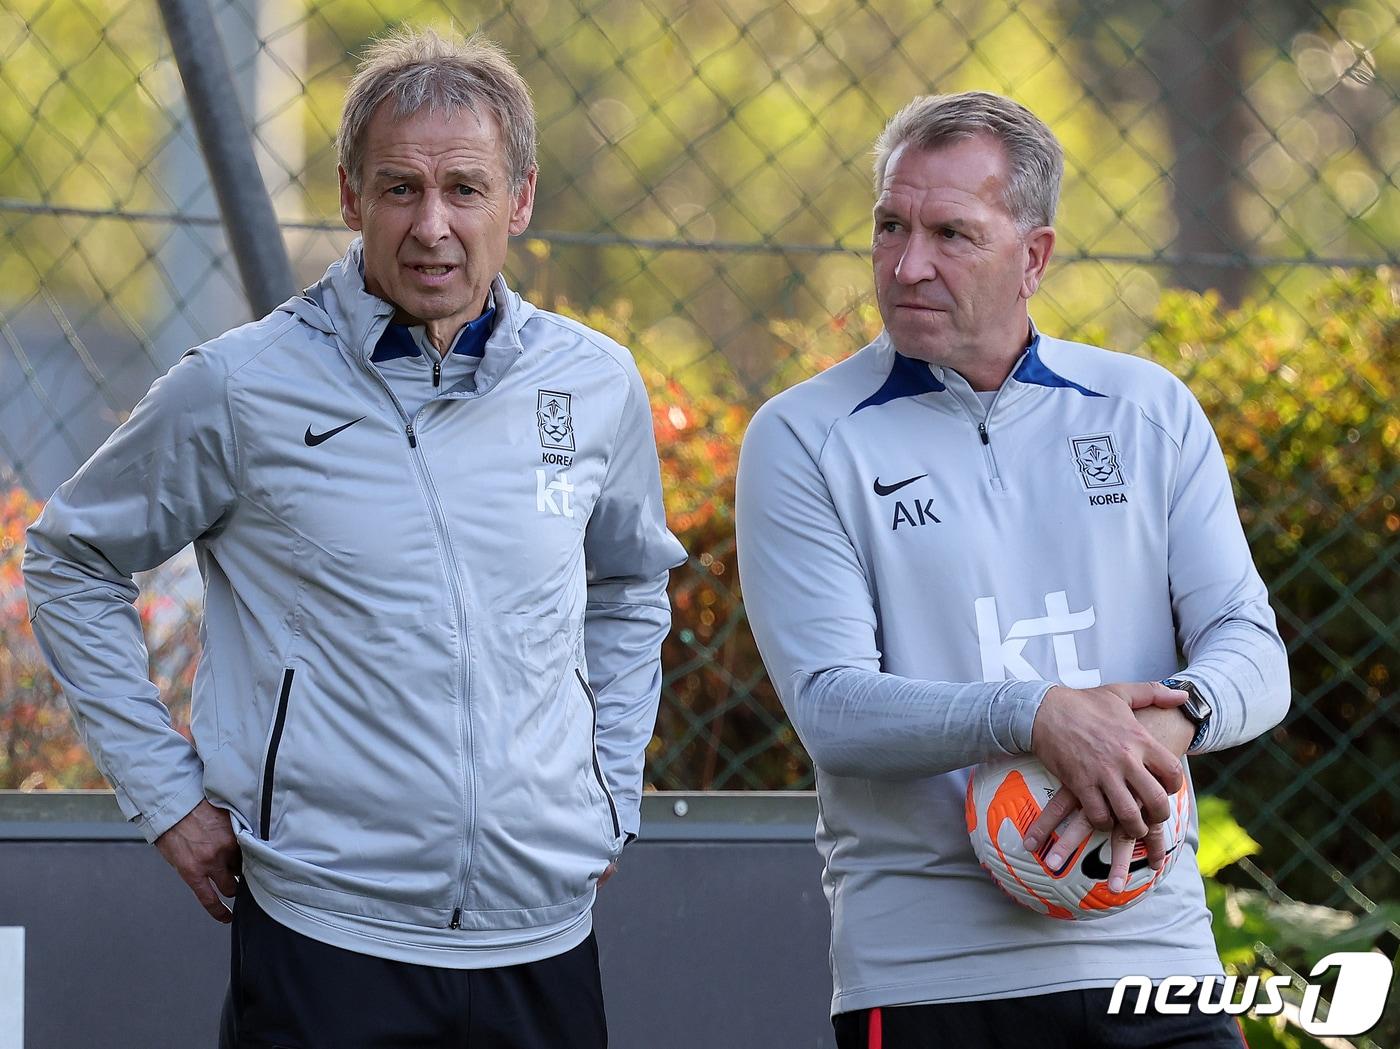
{"points": [[1196, 707]]}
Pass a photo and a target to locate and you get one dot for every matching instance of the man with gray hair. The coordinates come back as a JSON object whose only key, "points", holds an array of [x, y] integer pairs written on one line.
{"points": [[428, 517], [971, 539]]}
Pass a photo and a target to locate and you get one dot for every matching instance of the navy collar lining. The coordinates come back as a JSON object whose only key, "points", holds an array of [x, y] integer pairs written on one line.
{"points": [[397, 340], [910, 378], [1034, 371]]}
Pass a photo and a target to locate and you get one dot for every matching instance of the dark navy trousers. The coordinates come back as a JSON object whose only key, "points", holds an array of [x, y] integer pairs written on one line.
{"points": [[288, 991], [1063, 1020]]}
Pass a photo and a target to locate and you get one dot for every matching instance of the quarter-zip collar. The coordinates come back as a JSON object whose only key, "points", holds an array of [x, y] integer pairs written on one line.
{"points": [[1028, 363], [339, 305], [909, 377], [405, 340]]}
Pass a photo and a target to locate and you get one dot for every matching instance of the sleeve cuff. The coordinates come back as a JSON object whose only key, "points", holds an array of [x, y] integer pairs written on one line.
{"points": [[171, 810], [1014, 711]]}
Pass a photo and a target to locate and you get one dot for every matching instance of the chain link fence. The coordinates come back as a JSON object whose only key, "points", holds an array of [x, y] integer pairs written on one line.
{"points": [[704, 196]]}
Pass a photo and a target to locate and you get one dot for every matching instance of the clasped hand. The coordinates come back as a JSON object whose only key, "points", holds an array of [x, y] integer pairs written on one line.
{"points": [[1116, 751]]}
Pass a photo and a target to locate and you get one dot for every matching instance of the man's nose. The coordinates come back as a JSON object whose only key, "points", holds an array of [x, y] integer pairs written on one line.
{"points": [[916, 261], [430, 223]]}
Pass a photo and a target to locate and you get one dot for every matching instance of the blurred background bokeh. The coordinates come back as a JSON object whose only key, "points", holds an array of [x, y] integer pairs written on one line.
{"points": [[1230, 209]]}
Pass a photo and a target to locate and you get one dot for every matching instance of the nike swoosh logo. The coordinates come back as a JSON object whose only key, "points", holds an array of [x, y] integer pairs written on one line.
{"points": [[1095, 864], [313, 439], [890, 489]]}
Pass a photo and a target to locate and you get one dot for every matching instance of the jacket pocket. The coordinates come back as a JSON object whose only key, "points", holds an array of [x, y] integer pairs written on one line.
{"points": [[270, 760], [597, 767]]}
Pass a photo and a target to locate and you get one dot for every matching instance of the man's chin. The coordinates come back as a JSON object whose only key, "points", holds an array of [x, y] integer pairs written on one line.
{"points": [[426, 308], [917, 342]]}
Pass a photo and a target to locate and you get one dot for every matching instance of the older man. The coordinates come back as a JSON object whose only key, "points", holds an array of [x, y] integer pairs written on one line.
{"points": [[429, 520], [973, 539]]}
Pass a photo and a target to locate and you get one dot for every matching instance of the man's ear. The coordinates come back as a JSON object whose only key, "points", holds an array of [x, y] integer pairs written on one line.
{"points": [[523, 204], [349, 203], [1040, 245]]}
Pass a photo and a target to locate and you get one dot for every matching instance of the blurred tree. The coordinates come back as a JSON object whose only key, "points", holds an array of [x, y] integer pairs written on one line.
{"points": [[1197, 56]]}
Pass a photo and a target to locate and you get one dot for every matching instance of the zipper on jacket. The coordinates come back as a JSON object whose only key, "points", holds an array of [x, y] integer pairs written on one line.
{"points": [[984, 434], [459, 607], [993, 474], [437, 373], [597, 768], [270, 762]]}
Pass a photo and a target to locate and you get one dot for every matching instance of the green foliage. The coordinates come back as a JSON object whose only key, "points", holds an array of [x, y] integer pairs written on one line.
{"points": [[1259, 935], [1305, 415], [1223, 841]]}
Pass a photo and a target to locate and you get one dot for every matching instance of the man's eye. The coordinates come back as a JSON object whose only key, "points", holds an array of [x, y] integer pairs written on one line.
{"points": [[948, 233], [466, 191], [889, 226], [399, 190]]}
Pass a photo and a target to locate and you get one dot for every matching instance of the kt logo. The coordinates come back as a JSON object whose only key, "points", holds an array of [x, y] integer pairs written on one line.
{"points": [[552, 497], [1002, 653]]}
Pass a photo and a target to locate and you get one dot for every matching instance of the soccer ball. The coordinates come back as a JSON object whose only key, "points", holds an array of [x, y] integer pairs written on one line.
{"points": [[1005, 796]]}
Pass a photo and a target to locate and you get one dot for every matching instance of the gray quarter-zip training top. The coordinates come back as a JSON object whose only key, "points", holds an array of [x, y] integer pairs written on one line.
{"points": [[919, 567]]}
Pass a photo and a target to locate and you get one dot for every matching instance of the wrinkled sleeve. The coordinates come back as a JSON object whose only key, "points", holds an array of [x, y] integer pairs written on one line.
{"points": [[1225, 626], [629, 554], [164, 478], [812, 613]]}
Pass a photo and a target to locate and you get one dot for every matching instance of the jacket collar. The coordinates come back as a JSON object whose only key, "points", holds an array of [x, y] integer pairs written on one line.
{"points": [[402, 340], [339, 305], [907, 377]]}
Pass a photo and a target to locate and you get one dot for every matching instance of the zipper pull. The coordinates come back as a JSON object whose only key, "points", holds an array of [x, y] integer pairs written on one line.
{"points": [[456, 922], [437, 373], [982, 432], [412, 437]]}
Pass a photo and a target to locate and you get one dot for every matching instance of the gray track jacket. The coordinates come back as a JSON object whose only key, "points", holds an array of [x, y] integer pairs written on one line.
{"points": [[919, 568], [431, 642]]}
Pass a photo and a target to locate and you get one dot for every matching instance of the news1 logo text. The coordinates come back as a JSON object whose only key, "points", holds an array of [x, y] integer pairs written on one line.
{"points": [[1358, 998]]}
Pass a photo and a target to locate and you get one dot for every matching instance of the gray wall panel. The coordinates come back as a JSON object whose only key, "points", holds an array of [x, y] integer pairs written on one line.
{"points": [[713, 933]]}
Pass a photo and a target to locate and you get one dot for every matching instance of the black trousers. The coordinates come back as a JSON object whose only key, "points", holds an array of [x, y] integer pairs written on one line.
{"points": [[1064, 1020], [287, 991]]}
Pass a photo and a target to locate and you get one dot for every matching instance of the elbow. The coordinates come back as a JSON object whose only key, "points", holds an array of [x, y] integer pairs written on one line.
{"points": [[1265, 706], [868, 760], [820, 746], [1278, 698], [814, 722], [36, 568], [853, 754], [831, 759], [845, 737], [1277, 691], [48, 545]]}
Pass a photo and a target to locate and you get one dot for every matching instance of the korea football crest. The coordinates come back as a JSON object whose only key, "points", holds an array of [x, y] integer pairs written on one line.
{"points": [[1097, 460], [1100, 469], [554, 415]]}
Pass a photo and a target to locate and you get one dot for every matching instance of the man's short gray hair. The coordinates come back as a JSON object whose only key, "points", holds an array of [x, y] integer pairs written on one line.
{"points": [[1035, 160], [415, 69]]}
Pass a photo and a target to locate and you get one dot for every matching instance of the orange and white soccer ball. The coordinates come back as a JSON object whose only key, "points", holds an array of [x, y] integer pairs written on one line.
{"points": [[1005, 796]]}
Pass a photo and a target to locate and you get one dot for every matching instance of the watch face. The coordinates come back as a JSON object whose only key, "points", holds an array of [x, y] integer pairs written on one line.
{"points": [[1196, 708]]}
